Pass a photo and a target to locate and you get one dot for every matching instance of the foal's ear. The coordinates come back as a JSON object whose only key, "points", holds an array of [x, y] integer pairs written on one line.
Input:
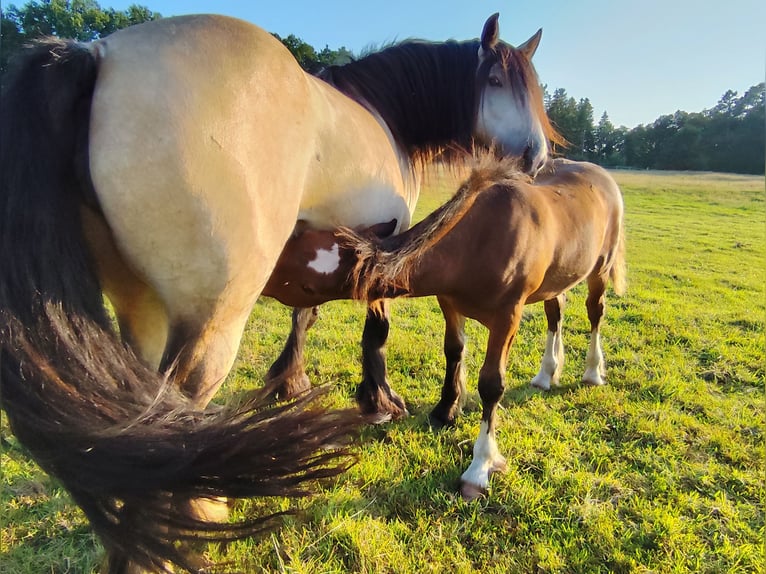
{"points": [[490, 35], [382, 230], [529, 47]]}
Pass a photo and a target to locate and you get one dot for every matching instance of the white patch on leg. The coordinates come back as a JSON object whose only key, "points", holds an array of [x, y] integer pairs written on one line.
{"points": [[326, 261], [486, 460], [553, 360], [594, 362]]}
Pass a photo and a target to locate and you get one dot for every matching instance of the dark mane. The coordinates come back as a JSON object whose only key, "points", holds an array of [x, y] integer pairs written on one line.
{"points": [[428, 93], [424, 92]]}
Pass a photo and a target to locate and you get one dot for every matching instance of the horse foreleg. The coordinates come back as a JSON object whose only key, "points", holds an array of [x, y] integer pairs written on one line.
{"points": [[453, 390], [553, 358], [595, 367], [374, 394], [486, 456], [287, 375]]}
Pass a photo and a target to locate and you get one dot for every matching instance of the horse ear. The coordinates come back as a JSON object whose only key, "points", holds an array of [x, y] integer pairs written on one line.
{"points": [[529, 47], [490, 35]]}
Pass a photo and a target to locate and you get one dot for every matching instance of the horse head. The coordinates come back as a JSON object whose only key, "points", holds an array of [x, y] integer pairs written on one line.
{"points": [[511, 115]]}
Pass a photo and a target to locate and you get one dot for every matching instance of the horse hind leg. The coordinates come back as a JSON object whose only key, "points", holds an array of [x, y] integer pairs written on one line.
{"points": [[553, 357], [140, 313], [201, 351], [374, 394], [287, 378], [449, 406], [595, 366], [487, 459]]}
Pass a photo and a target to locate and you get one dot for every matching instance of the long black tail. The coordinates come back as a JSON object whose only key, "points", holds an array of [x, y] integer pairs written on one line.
{"points": [[120, 437]]}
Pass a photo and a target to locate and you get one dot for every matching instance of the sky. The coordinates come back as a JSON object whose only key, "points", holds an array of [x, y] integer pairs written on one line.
{"points": [[634, 59]]}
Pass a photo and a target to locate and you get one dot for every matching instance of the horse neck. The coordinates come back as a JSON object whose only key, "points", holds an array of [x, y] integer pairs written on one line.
{"points": [[425, 93]]}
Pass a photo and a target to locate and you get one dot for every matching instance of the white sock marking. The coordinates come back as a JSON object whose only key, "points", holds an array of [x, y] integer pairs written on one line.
{"points": [[486, 459], [594, 361], [550, 367]]}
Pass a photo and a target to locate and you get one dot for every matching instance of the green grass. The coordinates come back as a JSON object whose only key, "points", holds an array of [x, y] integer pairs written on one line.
{"points": [[662, 470]]}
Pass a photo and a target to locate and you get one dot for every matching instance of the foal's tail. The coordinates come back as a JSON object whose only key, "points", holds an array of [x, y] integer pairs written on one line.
{"points": [[618, 272], [123, 440], [383, 267]]}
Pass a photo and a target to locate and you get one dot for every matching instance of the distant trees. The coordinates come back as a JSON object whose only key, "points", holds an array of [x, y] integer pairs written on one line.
{"points": [[574, 120], [79, 19], [728, 137], [311, 60]]}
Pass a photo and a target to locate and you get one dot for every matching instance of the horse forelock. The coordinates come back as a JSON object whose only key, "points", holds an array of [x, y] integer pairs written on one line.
{"points": [[425, 92]]}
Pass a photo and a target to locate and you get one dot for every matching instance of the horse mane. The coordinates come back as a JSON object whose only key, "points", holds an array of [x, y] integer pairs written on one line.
{"points": [[384, 266], [399, 83]]}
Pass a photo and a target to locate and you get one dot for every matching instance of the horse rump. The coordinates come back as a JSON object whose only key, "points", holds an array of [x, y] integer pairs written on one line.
{"points": [[122, 438]]}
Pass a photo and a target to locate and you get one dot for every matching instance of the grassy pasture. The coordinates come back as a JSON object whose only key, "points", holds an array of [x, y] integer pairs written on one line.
{"points": [[662, 470]]}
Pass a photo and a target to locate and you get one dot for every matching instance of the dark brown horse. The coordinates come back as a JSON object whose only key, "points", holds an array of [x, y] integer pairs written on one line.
{"points": [[502, 242], [436, 99]]}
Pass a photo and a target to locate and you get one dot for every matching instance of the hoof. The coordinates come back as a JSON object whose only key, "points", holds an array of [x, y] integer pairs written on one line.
{"points": [[500, 465], [436, 424], [380, 417], [471, 492], [437, 420], [292, 387], [594, 383], [593, 379], [542, 383], [382, 407], [214, 509]]}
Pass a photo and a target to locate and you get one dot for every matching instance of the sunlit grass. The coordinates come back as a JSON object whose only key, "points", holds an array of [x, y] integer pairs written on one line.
{"points": [[662, 470]]}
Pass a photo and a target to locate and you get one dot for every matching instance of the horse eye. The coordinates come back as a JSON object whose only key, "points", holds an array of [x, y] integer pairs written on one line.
{"points": [[495, 82], [308, 290]]}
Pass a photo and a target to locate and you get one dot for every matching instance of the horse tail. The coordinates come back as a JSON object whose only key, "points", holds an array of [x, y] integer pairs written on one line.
{"points": [[383, 267], [121, 438], [618, 272]]}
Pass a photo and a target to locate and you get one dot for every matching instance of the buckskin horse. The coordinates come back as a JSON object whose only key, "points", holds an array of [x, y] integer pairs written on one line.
{"points": [[164, 167], [503, 241]]}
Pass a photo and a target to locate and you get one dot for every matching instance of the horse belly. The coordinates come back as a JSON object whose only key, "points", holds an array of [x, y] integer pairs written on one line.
{"points": [[196, 156]]}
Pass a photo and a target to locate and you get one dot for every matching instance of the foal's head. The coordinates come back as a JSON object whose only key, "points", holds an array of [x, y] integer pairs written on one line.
{"points": [[313, 268], [511, 114]]}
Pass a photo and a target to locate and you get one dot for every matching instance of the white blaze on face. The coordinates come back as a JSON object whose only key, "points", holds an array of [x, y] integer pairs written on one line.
{"points": [[326, 261]]}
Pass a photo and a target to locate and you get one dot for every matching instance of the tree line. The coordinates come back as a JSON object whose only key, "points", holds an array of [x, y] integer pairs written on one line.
{"points": [[730, 137]]}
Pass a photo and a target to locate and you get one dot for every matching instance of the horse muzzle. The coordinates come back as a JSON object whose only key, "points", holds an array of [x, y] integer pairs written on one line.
{"points": [[533, 159]]}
